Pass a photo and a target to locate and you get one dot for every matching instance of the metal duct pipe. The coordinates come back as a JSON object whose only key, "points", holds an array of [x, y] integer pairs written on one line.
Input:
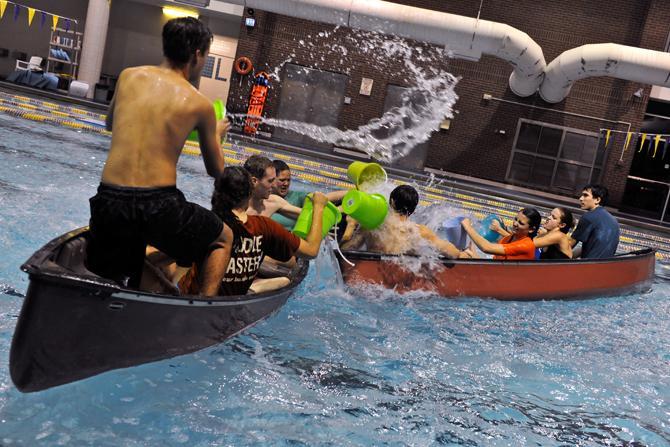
{"points": [[604, 59], [467, 37]]}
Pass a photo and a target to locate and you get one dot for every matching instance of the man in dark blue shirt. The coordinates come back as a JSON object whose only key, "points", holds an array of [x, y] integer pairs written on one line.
{"points": [[597, 230]]}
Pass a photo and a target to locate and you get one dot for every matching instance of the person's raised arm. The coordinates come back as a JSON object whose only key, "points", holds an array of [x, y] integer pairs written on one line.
{"points": [[336, 196], [210, 133], [350, 227], [498, 228], [548, 239], [283, 207], [480, 242], [309, 247], [445, 247]]}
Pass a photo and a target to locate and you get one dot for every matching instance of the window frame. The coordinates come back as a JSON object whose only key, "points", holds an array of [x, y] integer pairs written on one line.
{"points": [[556, 159]]}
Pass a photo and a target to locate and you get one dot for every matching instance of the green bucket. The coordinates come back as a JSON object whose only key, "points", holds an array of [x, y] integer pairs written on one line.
{"points": [[360, 172], [331, 216], [368, 209], [219, 111]]}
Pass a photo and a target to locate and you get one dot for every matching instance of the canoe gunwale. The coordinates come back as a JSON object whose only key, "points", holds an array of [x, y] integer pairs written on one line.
{"points": [[73, 326], [527, 280], [40, 267], [623, 257]]}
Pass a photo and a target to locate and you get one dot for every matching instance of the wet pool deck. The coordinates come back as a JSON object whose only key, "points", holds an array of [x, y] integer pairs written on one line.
{"points": [[476, 196]]}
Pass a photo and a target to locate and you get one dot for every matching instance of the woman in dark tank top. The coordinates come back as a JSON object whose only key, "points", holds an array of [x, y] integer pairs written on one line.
{"points": [[553, 252], [553, 239]]}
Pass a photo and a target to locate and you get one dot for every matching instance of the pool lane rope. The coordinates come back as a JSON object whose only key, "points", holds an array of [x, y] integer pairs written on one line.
{"points": [[311, 171]]}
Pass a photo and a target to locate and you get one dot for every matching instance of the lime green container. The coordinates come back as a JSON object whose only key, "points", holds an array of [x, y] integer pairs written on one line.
{"points": [[331, 216], [360, 172], [368, 209], [219, 111]]}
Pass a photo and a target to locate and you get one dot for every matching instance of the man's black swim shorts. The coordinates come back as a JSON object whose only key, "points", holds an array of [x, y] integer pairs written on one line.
{"points": [[125, 220]]}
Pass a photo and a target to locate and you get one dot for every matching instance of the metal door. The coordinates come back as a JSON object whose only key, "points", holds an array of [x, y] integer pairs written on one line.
{"points": [[309, 96]]}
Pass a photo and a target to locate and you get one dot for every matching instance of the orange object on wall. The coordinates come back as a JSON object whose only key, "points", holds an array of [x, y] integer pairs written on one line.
{"points": [[259, 93]]}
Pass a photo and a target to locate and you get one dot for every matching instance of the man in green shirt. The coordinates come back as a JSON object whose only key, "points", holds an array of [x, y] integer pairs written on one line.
{"points": [[281, 187]]}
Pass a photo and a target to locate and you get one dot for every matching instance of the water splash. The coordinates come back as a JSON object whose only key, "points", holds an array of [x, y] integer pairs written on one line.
{"points": [[425, 104], [402, 236]]}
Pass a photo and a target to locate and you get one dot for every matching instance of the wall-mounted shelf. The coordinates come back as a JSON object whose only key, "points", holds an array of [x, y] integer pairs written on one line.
{"points": [[68, 43], [61, 61]]}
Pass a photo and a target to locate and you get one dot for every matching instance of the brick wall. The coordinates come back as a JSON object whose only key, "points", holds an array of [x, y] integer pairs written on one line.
{"points": [[471, 146]]}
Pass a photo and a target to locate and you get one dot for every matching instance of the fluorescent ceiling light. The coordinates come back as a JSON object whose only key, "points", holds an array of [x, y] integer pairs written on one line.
{"points": [[173, 12]]}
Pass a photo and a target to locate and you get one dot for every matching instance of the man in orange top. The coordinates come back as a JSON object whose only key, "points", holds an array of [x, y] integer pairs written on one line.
{"points": [[517, 246]]}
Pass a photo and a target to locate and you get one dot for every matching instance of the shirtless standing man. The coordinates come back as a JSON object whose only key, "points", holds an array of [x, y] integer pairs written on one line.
{"points": [[138, 203]]}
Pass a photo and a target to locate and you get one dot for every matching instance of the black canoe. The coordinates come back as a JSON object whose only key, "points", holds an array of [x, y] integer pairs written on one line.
{"points": [[75, 324]]}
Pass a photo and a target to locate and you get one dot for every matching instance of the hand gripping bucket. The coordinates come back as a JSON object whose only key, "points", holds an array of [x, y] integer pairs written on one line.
{"points": [[331, 216], [485, 230], [219, 111], [360, 172], [368, 209]]}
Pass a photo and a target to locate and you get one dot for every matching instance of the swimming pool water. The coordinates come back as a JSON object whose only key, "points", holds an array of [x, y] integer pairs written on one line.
{"points": [[334, 367]]}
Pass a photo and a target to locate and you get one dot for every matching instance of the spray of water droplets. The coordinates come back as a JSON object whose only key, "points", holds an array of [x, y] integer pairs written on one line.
{"points": [[425, 104]]}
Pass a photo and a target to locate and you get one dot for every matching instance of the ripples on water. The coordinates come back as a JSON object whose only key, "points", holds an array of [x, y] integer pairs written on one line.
{"points": [[332, 367]]}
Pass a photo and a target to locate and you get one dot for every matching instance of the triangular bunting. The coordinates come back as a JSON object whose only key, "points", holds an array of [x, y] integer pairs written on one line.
{"points": [[67, 24], [54, 21], [642, 138], [627, 143], [43, 19], [16, 12], [657, 138], [607, 137], [3, 6], [31, 15]]}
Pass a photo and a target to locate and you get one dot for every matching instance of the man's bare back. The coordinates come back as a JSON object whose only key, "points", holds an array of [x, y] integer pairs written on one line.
{"points": [[152, 113]]}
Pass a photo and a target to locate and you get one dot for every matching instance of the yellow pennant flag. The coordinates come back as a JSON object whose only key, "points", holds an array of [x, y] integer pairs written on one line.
{"points": [[54, 20], [31, 14], [642, 138], [3, 5], [628, 137], [657, 138], [607, 137]]}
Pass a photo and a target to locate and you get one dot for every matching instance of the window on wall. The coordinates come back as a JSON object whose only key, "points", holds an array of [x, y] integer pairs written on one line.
{"points": [[208, 68], [554, 158]]}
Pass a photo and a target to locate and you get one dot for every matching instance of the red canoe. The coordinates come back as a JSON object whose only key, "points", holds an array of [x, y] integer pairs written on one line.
{"points": [[508, 280]]}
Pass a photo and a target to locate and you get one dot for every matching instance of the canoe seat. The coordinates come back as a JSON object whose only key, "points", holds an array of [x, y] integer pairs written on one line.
{"points": [[72, 256]]}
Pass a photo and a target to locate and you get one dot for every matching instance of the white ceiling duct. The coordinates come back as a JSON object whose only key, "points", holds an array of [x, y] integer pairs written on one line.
{"points": [[467, 37], [604, 59]]}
